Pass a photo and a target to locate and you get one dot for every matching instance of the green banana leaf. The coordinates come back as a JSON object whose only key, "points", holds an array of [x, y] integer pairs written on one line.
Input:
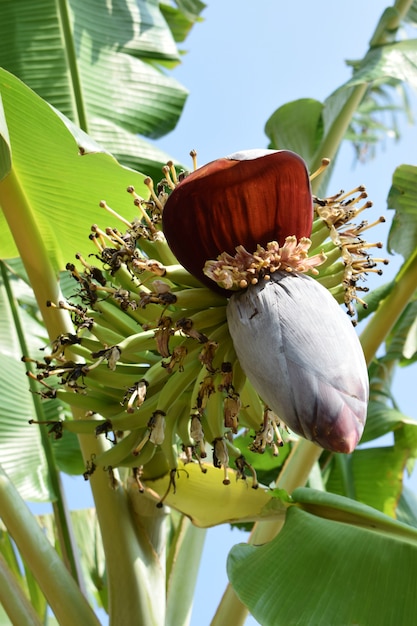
{"points": [[103, 66], [334, 562], [63, 189], [372, 476], [402, 198]]}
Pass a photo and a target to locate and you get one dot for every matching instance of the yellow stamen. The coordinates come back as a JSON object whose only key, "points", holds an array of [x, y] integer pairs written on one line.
{"points": [[114, 235], [324, 164], [103, 204], [193, 155], [149, 183], [167, 173], [173, 172]]}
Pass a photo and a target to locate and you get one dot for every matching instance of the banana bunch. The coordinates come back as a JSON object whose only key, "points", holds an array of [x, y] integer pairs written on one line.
{"points": [[151, 361]]}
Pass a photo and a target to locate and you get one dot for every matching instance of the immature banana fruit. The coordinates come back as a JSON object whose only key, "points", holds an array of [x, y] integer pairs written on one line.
{"points": [[152, 360]]}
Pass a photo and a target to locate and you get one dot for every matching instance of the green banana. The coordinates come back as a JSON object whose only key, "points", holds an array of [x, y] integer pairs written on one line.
{"points": [[332, 280], [252, 406], [200, 297], [139, 418], [98, 403], [179, 276], [116, 455], [209, 318], [137, 343], [105, 334], [143, 457], [118, 320], [177, 383], [183, 421], [213, 417], [122, 377]]}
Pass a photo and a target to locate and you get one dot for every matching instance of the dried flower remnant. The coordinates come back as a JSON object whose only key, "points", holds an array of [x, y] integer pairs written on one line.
{"points": [[268, 435], [231, 407], [135, 396], [197, 433], [221, 458]]}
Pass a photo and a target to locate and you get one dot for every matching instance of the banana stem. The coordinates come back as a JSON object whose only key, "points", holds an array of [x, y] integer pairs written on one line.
{"points": [[13, 599], [60, 589]]}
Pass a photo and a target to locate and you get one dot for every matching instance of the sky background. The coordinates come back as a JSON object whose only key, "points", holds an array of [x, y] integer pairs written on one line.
{"points": [[244, 61]]}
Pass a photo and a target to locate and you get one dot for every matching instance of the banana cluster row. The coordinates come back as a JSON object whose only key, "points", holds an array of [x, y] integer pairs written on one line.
{"points": [[152, 362]]}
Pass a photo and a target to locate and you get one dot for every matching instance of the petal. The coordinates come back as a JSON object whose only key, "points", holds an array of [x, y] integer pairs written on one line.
{"points": [[244, 200], [302, 355]]}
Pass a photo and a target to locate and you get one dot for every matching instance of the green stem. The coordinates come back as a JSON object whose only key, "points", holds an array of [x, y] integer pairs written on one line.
{"points": [[13, 599], [390, 308], [69, 48], [183, 565], [61, 513], [64, 597], [135, 572]]}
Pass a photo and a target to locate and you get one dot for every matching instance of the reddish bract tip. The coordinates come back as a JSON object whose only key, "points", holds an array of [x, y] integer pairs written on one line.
{"points": [[239, 200]]}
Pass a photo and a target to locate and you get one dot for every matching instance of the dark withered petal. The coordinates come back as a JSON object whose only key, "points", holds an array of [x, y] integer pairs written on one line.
{"points": [[244, 199]]}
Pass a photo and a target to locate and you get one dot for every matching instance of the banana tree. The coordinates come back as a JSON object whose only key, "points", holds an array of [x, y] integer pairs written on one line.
{"points": [[147, 350]]}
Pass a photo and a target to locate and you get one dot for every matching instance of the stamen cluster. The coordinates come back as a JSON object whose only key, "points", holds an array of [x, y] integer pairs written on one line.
{"points": [[336, 212], [245, 268]]}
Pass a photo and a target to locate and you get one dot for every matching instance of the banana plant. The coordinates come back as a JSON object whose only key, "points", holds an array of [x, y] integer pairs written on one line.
{"points": [[152, 352]]}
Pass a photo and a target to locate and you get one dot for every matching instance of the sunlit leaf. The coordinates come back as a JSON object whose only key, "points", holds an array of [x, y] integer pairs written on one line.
{"points": [[402, 197], [372, 476], [394, 60], [5, 156], [296, 126], [383, 419], [407, 507], [329, 546], [62, 188], [402, 341], [373, 300], [234, 502]]}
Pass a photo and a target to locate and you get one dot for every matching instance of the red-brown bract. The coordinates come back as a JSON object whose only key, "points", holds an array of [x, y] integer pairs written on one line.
{"points": [[249, 198]]}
